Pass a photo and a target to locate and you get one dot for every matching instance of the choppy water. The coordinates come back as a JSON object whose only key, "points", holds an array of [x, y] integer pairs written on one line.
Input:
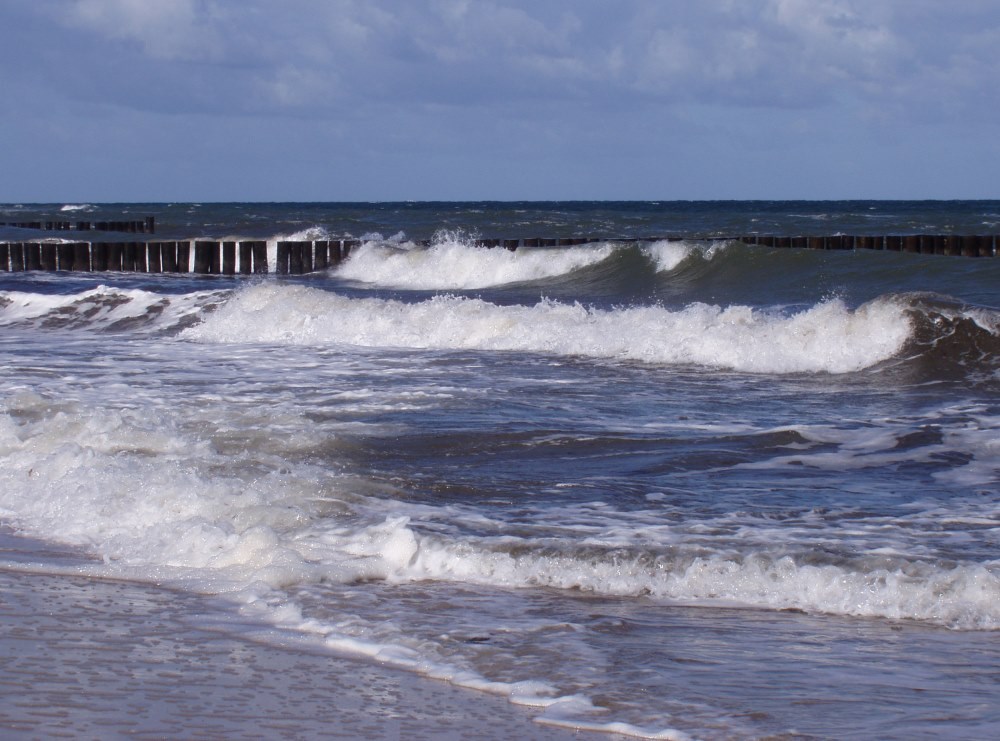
{"points": [[672, 489]]}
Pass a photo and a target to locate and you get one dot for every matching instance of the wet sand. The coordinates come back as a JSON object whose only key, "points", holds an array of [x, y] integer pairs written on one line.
{"points": [[97, 659]]}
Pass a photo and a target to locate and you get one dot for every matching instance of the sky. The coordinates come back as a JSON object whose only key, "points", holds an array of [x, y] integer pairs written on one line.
{"points": [[376, 100]]}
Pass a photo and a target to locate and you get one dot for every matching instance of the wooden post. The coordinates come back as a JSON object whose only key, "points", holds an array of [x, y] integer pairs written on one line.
{"points": [[168, 257], [510, 244], [986, 246], [215, 258], [347, 245], [81, 256], [969, 246], [817, 243], [322, 254], [307, 256], [65, 256], [32, 256], [99, 256], [942, 244], [229, 258], [260, 258], [246, 258], [17, 257], [128, 257], [154, 257], [532, 242], [116, 255], [203, 257], [335, 252], [894, 243], [5, 257], [49, 261], [141, 266], [296, 257], [283, 258], [184, 256]]}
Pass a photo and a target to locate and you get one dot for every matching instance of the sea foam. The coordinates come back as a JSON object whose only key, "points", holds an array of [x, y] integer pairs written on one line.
{"points": [[827, 337], [456, 263]]}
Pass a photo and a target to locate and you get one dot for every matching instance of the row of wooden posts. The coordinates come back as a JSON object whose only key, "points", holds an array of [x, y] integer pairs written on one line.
{"points": [[145, 226], [299, 257], [983, 245], [209, 257]]}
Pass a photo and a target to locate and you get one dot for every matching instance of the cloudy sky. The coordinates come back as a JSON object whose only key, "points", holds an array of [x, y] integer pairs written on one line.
{"points": [[324, 100]]}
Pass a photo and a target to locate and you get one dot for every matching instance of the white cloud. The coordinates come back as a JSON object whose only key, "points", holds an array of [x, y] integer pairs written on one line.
{"points": [[166, 29], [316, 57]]}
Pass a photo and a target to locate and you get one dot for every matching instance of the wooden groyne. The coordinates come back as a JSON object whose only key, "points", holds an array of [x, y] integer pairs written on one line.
{"points": [[144, 226], [207, 257], [203, 257]]}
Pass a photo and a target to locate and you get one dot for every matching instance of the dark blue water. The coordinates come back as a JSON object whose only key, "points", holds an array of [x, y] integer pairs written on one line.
{"points": [[519, 219], [697, 488]]}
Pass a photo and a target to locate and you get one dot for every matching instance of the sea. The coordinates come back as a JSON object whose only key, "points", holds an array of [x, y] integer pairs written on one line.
{"points": [[693, 489]]}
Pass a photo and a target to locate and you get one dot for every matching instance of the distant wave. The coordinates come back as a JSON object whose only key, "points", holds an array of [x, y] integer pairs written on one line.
{"points": [[455, 262], [77, 207], [669, 255]]}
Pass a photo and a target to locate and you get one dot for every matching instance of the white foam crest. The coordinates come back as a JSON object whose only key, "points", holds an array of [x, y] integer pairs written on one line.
{"points": [[309, 234], [827, 337], [456, 263], [77, 207], [102, 307], [963, 597], [136, 489], [667, 255]]}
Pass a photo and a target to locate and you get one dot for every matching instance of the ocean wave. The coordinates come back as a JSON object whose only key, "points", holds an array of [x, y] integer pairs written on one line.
{"points": [[827, 337], [933, 337], [456, 262], [149, 499], [952, 339], [154, 497], [105, 308], [961, 596]]}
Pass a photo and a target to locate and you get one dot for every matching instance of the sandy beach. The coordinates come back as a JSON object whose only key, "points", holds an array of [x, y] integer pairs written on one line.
{"points": [[96, 659]]}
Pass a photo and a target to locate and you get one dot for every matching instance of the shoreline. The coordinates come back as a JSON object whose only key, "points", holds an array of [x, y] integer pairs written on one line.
{"points": [[92, 658]]}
